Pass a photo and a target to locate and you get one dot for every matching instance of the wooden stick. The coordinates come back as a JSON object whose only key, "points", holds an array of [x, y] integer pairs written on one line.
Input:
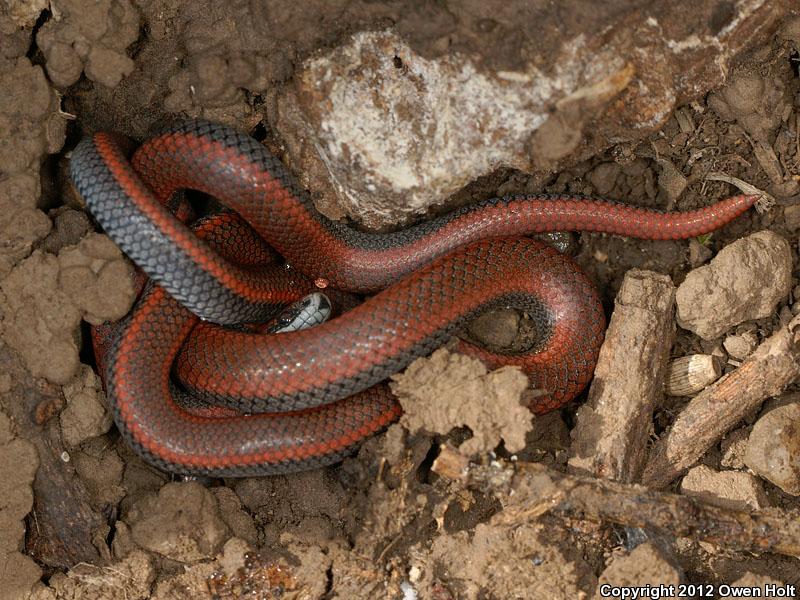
{"points": [[711, 414], [612, 428], [528, 490]]}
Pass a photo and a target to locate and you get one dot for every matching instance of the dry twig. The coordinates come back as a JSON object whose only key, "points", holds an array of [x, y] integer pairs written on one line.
{"points": [[528, 490], [612, 429], [719, 408]]}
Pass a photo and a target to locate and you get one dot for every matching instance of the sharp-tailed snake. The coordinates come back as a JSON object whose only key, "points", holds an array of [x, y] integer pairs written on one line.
{"points": [[308, 398]]}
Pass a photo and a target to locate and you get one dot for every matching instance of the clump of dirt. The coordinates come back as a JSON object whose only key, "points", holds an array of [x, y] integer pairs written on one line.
{"points": [[85, 415], [44, 298], [18, 465], [629, 113], [181, 523], [497, 561], [89, 38], [448, 390]]}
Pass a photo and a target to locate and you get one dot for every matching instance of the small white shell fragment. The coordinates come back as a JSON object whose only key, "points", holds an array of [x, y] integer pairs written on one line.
{"points": [[690, 374]]}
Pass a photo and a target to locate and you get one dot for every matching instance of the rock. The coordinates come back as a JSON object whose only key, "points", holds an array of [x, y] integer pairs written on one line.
{"points": [[496, 328], [727, 489], [740, 346], [791, 215], [745, 281], [733, 448], [773, 448], [645, 565], [384, 126], [399, 139], [181, 522]]}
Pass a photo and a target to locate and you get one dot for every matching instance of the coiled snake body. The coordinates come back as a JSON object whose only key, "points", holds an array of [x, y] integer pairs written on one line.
{"points": [[309, 397]]}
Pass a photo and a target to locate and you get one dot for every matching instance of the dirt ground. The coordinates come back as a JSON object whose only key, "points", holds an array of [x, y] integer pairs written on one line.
{"points": [[84, 517]]}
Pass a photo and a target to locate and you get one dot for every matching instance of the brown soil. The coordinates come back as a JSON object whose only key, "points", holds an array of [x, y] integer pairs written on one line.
{"points": [[89, 519]]}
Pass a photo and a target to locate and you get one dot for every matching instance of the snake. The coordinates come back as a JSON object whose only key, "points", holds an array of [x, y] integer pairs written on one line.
{"points": [[304, 399]]}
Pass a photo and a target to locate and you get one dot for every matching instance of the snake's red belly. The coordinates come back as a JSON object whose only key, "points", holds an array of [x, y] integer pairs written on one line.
{"points": [[308, 398]]}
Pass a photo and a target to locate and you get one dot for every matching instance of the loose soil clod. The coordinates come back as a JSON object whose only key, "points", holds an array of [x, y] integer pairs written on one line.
{"points": [[450, 390]]}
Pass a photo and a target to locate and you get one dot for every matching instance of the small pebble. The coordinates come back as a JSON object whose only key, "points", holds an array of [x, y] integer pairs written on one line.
{"points": [[791, 215], [741, 345], [734, 490], [773, 448], [698, 253], [497, 328]]}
